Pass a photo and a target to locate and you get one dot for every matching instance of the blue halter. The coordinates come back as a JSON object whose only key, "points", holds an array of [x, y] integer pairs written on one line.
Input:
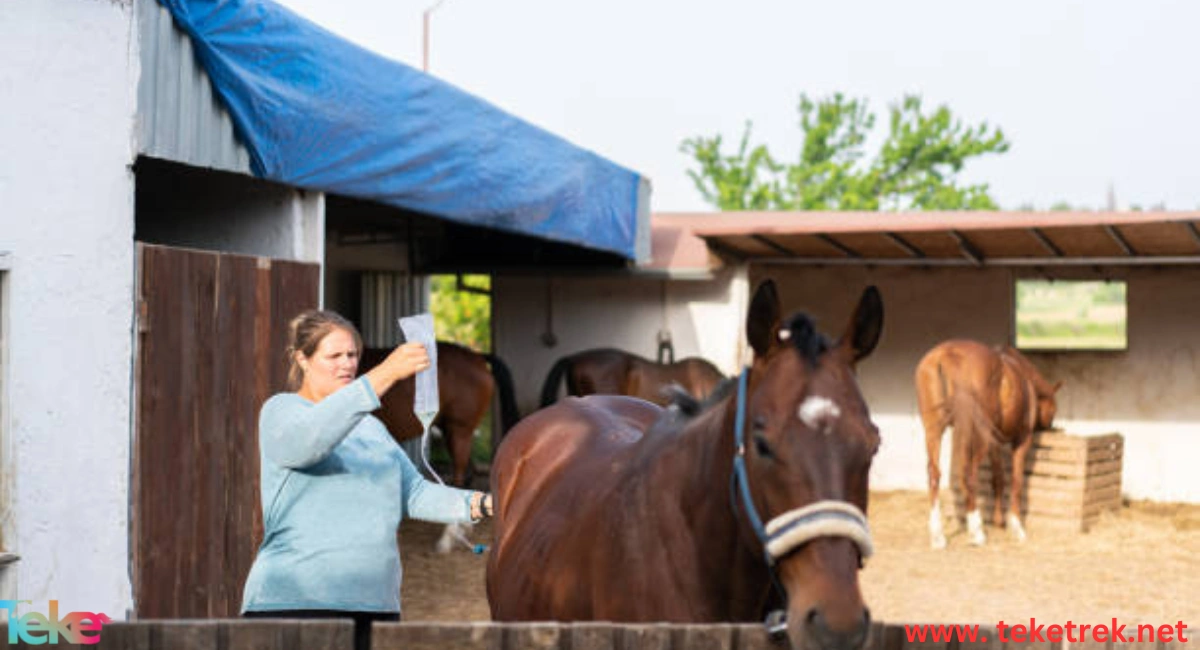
{"points": [[740, 483]]}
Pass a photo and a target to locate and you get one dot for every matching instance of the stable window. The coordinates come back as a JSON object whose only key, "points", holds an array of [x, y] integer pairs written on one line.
{"points": [[1071, 315]]}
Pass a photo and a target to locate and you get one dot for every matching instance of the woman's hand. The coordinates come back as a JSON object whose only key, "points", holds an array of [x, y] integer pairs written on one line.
{"points": [[481, 506], [405, 361]]}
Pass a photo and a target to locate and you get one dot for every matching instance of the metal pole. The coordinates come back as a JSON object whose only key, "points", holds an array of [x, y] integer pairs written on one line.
{"points": [[425, 35]]}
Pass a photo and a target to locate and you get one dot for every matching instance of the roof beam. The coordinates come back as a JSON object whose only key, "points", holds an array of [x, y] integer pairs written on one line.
{"points": [[1116, 236], [904, 245], [1191, 226], [846, 250], [1176, 260], [1045, 242], [969, 250], [773, 245], [723, 248]]}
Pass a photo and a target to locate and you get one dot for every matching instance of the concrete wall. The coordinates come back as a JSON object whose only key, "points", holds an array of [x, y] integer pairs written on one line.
{"points": [[68, 90], [705, 318], [1147, 393], [195, 208]]}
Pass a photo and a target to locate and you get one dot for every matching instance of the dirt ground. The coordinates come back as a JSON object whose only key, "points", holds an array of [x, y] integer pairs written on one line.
{"points": [[1141, 565]]}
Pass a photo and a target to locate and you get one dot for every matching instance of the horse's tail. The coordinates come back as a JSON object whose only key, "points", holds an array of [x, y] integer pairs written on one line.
{"points": [[973, 426], [508, 399], [550, 387]]}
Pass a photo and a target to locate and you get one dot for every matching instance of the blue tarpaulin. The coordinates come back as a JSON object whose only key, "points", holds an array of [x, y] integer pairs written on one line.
{"points": [[319, 112]]}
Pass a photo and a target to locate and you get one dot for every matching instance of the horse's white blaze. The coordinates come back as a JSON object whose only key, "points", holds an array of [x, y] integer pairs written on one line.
{"points": [[818, 412]]}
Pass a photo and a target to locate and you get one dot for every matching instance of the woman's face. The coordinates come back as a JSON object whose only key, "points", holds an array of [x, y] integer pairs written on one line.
{"points": [[333, 365]]}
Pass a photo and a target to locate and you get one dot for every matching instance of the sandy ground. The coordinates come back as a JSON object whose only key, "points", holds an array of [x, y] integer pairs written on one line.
{"points": [[1141, 564]]}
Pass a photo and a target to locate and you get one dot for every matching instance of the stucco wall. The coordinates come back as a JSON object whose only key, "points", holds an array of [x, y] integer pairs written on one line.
{"points": [[705, 318], [1146, 393], [67, 88]]}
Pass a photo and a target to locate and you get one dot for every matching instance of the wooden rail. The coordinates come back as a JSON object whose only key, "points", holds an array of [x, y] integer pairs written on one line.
{"points": [[242, 634]]}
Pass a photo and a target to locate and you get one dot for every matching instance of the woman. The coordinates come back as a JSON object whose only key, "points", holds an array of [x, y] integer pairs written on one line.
{"points": [[335, 485]]}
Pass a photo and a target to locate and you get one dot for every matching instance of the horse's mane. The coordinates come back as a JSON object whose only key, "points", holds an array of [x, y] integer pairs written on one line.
{"points": [[802, 331], [686, 404]]}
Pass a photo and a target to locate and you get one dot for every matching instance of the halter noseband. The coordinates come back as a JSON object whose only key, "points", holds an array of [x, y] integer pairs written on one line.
{"points": [[790, 530]]}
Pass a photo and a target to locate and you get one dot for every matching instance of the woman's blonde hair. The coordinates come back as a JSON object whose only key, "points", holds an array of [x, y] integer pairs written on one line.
{"points": [[304, 335]]}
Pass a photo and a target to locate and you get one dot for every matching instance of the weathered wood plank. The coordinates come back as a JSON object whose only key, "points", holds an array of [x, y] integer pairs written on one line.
{"points": [[703, 637], [656, 636], [436, 636]]}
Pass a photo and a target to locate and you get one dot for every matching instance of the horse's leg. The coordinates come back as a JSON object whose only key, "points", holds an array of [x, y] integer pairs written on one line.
{"points": [[973, 456], [930, 404], [1018, 487], [996, 458], [933, 448]]}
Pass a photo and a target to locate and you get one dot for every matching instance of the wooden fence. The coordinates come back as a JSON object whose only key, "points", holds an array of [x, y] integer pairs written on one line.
{"points": [[242, 634]]}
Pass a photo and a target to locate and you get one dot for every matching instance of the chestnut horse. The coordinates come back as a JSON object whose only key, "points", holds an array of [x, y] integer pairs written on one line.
{"points": [[607, 371], [991, 396], [611, 508], [466, 386]]}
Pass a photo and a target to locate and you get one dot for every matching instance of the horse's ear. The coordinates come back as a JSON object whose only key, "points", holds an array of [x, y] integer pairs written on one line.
{"points": [[763, 319], [866, 325], [1057, 385]]}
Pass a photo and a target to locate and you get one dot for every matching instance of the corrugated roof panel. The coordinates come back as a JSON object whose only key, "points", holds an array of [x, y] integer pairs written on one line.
{"points": [[179, 119]]}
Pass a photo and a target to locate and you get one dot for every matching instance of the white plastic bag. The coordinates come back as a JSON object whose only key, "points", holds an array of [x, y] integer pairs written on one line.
{"points": [[426, 401]]}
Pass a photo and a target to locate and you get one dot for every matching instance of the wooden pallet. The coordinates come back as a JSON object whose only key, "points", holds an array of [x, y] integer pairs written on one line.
{"points": [[1070, 482]]}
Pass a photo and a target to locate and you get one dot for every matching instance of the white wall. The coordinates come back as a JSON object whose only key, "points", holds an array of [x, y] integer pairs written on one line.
{"points": [[705, 318], [1147, 393], [67, 93]]}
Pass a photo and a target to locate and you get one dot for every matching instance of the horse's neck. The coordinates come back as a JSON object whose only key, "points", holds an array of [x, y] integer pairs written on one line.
{"points": [[706, 448]]}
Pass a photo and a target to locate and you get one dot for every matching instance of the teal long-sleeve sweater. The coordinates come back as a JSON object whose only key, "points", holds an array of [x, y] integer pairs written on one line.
{"points": [[335, 486]]}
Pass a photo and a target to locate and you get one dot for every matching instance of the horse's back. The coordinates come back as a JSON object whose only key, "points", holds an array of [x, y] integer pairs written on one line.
{"points": [[465, 389], [561, 442], [553, 467]]}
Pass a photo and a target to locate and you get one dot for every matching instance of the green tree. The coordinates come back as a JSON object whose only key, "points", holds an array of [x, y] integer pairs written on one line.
{"points": [[916, 167], [463, 317]]}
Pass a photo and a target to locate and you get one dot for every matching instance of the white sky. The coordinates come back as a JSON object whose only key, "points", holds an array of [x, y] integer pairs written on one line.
{"points": [[1088, 93]]}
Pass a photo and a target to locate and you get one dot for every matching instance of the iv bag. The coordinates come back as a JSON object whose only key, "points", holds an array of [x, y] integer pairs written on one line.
{"points": [[426, 403]]}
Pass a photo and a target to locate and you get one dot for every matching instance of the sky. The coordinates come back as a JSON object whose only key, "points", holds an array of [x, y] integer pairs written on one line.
{"points": [[1092, 95]]}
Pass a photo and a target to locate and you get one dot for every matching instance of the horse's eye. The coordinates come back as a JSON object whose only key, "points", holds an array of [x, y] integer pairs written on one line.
{"points": [[761, 446]]}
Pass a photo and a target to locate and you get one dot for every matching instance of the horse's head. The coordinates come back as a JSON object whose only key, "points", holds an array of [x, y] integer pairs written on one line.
{"points": [[1047, 407], [808, 444], [1047, 400]]}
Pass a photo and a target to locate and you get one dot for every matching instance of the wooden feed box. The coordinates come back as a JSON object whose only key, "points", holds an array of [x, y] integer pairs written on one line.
{"points": [[1070, 481]]}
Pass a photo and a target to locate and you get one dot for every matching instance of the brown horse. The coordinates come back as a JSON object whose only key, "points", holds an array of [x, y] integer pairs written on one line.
{"points": [[612, 508], [991, 396], [467, 381], [607, 371]]}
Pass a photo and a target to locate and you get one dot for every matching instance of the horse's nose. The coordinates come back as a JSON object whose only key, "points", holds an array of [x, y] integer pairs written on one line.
{"points": [[829, 637]]}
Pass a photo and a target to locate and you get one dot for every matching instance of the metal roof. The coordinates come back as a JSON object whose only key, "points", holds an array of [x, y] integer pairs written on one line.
{"points": [[179, 118], [946, 238]]}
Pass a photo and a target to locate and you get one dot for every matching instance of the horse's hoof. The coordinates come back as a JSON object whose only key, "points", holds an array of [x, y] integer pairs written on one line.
{"points": [[1018, 531], [975, 528], [938, 542]]}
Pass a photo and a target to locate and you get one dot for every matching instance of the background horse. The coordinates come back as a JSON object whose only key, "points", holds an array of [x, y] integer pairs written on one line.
{"points": [[607, 371], [991, 396], [612, 508], [467, 381]]}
